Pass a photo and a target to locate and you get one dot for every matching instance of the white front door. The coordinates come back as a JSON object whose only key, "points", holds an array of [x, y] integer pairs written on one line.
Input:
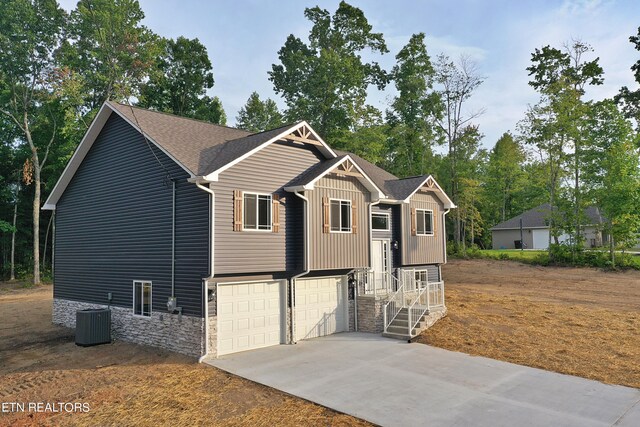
{"points": [[320, 307], [380, 262], [249, 316]]}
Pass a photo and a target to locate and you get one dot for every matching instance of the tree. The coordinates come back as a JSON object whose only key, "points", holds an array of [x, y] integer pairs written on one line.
{"points": [[628, 99], [108, 50], [561, 76], [505, 176], [257, 115], [470, 193], [411, 117], [457, 84], [179, 81], [325, 81], [30, 32], [612, 173]]}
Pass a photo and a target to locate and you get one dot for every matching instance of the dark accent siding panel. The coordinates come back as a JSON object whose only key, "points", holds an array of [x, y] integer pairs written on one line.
{"points": [[113, 225], [423, 249], [267, 171], [392, 234]]}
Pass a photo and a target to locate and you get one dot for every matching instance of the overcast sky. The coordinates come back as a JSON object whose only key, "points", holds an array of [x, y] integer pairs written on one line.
{"points": [[243, 38]]}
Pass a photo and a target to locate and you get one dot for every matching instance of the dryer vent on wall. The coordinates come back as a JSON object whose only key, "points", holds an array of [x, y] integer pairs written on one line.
{"points": [[93, 327]]}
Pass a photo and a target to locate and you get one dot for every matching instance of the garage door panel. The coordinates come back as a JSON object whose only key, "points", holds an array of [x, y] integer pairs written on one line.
{"points": [[320, 307], [249, 316]]}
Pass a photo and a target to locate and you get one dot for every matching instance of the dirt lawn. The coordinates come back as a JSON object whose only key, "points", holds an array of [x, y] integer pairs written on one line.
{"points": [[575, 321], [127, 384]]}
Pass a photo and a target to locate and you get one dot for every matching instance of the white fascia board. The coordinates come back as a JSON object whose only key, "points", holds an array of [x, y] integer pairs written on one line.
{"points": [[78, 156], [324, 149], [448, 203], [83, 148]]}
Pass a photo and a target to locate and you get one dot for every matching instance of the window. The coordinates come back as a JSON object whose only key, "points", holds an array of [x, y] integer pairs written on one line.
{"points": [[422, 276], [142, 298], [257, 212], [424, 220], [341, 216], [380, 221]]}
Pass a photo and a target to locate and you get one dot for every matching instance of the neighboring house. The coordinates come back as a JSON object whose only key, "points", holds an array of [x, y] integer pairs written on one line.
{"points": [[535, 229], [209, 240]]}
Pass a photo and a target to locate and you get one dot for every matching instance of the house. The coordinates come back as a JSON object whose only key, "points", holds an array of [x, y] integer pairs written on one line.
{"points": [[209, 240], [535, 229]]}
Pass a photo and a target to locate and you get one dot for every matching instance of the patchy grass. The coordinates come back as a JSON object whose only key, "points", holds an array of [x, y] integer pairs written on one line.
{"points": [[513, 254], [574, 321]]}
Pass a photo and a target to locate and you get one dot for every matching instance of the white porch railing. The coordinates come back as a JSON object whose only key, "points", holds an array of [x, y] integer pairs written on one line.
{"points": [[417, 296], [374, 283]]}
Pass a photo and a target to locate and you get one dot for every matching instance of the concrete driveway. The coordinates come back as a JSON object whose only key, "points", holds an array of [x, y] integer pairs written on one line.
{"points": [[393, 383]]}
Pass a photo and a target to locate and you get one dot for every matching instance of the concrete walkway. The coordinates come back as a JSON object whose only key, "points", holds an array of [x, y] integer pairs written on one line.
{"points": [[393, 383]]}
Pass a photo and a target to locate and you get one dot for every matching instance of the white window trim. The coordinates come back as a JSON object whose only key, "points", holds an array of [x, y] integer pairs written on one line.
{"points": [[350, 217], [433, 225], [260, 230], [133, 299], [381, 214]]}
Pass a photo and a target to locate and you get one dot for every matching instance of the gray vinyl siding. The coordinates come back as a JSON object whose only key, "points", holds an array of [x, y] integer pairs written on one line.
{"points": [[505, 239], [338, 250], [417, 250], [113, 226], [267, 171]]}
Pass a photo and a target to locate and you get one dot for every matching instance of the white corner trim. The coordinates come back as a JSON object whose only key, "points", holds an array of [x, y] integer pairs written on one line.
{"points": [[325, 149]]}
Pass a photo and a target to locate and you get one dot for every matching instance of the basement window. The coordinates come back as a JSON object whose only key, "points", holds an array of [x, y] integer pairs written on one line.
{"points": [[340, 216], [142, 298], [424, 222], [257, 212]]}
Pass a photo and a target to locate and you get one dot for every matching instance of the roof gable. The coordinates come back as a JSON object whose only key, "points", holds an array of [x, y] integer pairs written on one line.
{"points": [[344, 164], [538, 218]]}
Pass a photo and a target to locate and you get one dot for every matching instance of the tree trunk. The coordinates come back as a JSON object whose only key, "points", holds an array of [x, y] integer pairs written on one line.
{"points": [[612, 246], [13, 240], [36, 223]]}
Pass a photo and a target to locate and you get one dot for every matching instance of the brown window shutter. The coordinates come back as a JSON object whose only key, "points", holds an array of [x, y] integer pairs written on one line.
{"points": [[325, 215], [354, 217], [237, 210], [413, 222], [275, 214]]}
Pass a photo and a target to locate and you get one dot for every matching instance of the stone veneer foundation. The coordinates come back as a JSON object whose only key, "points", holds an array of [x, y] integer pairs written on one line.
{"points": [[182, 334], [371, 316]]}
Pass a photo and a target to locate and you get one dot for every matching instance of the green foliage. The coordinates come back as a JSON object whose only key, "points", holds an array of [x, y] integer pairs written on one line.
{"points": [[6, 227], [258, 115], [629, 99], [179, 81], [412, 113], [325, 81], [109, 50]]}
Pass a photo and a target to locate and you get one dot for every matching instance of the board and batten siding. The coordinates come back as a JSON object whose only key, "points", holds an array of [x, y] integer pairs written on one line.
{"points": [[267, 171], [417, 250], [113, 226], [338, 250]]}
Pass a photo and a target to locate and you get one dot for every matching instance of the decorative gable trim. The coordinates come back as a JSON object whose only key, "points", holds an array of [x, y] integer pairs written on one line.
{"points": [[433, 186], [300, 132]]}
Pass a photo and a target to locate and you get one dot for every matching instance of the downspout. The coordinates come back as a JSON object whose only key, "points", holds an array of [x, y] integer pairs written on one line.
{"points": [[205, 296], [306, 265], [173, 238], [444, 235]]}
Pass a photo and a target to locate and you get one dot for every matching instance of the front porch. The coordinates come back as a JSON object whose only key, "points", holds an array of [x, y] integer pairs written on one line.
{"points": [[399, 305]]}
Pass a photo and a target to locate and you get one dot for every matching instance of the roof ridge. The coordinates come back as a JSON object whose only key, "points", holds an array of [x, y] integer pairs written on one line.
{"points": [[265, 131], [181, 117]]}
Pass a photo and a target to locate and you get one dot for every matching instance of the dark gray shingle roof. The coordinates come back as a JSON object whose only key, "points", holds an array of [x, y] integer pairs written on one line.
{"points": [[539, 216], [315, 171], [189, 141]]}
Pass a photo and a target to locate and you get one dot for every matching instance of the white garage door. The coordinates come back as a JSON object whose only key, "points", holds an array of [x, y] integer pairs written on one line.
{"points": [[249, 316], [320, 307], [540, 239]]}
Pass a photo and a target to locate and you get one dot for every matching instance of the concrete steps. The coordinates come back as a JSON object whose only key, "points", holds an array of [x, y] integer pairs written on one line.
{"points": [[399, 327]]}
